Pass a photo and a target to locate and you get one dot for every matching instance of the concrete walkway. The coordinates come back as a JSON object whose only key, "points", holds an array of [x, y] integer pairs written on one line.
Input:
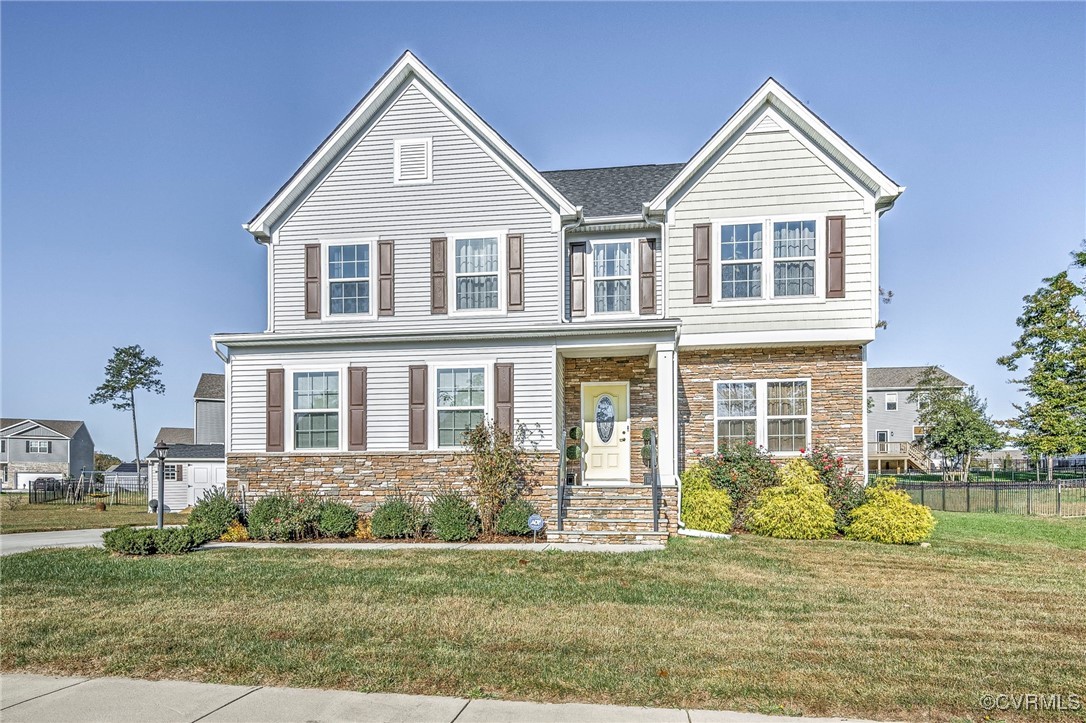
{"points": [[24, 541], [113, 700]]}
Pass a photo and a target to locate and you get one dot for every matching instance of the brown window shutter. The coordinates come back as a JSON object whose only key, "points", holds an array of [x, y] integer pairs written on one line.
{"points": [[503, 397], [416, 406], [576, 280], [179, 472], [386, 296], [356, 408], [439, 304], [312, 281], [648, 276], [274, 420], [515, 257], [835, 257], [703, 272]]}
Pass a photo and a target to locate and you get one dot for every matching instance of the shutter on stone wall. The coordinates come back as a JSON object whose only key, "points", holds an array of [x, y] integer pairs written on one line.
{"points": [[274, 421], [648, 276], [503, 397], [386, 297], [576, 280], [356, 408], [835, 257], [515, 256], [703, 274], [438, 286], [416, 406], [312, 281]]}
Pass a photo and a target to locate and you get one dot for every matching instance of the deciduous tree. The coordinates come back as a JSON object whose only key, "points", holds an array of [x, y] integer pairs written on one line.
{"points": [[955, 420]]}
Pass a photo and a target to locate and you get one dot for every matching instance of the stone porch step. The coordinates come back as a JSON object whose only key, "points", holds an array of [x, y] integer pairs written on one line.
{"points": [[608, 537], [611, 525], [618, 513]]}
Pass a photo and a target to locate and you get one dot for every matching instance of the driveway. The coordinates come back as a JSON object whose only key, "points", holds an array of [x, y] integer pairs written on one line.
{"points": [[24, 541]]}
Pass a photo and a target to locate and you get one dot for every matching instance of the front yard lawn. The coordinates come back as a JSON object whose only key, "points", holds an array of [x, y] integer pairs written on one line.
{"points": [[62, 516], [994, 606]]}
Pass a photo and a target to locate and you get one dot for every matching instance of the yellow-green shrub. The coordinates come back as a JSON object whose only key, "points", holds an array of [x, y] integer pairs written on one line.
{"points": [[235, 532], [362, 530], [704, 507], [798, 471], [889, 516], [794, 511]]}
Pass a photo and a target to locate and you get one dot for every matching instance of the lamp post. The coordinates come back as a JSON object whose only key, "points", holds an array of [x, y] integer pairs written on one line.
{"points": [[161, 450]]}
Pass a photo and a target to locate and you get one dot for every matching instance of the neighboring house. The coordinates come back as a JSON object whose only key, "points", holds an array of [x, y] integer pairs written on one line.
{"points": [[196, 460], [894, 431], [33, 448], [422, 275]]}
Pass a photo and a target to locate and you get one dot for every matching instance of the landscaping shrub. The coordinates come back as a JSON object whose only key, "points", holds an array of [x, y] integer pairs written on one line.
{"points": [[337, 519], [888, 515], [797, 471], [130, 541], [704, 507], [743, 471], [236, 532], [201, 533], [453, 518], [397, 517], [275, 517], [216, 511], [843, 489], [362, 530], [513, 518], [177, 540], [797, 510], [501, 466]]}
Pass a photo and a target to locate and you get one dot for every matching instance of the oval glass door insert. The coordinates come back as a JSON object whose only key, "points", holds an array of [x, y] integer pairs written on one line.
{"points": [[605, 418]]}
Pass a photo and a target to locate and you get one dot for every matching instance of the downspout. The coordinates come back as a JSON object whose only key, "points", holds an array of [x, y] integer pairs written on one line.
{"points": [[562, 265]]}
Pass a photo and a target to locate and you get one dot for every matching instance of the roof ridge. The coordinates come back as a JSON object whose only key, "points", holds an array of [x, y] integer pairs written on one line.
{"points": [[611, 168]]}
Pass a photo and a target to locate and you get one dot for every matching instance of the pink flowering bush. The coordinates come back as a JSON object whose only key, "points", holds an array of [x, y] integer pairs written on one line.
{"points": [[844, 491], [742, 470]]}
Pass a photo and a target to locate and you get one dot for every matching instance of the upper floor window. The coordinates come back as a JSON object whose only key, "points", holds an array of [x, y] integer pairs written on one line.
{"points": [[795, 241], [476, 266], [460, 403], [745, 270], [740, 261], [774, 414], [891, 401], [39, 446], [413, 160], [316, 410], [349, 285], [612, 276], [922, 401]]}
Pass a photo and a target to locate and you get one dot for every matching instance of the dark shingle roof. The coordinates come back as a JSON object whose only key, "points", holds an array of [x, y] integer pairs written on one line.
{"points": [[197, 451], [211, 386], [904, 377], [175, 435], [615, 191], [67, 427]]}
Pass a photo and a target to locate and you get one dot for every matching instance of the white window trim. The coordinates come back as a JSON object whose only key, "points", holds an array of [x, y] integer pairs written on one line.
{"points": [[431, 401], [503, 273], [761, 402], [36, 443], [886, 402], [290, 371], [326, 278], [768, 259], [397, 144], [635, 280], [169, 472]]}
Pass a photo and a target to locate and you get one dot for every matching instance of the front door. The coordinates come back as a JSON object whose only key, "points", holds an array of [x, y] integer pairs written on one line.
{"points": [[605, 408]]}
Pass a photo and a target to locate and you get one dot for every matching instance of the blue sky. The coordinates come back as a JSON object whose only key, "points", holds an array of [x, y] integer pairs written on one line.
{"points": [[137, 138]]}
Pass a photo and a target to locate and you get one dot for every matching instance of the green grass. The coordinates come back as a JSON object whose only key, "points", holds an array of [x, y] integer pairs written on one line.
{"points": [[17, 516], [995, 605]]}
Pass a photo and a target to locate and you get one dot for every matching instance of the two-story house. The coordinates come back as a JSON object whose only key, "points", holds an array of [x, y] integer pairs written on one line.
{"points": [[423, 275], [895, 435], [33, 448]]}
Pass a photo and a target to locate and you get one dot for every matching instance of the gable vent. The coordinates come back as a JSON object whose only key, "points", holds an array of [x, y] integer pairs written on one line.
{"points": [[413, 160]]}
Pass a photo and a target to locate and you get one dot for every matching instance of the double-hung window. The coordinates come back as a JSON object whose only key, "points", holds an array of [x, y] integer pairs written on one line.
{"points": [[741, 261], [891, 401], [38, 446], [349, 285], [476, 267], [749, 267], [460, 404], [774, 414], [612, 276], [316, 410], [795, 245]]}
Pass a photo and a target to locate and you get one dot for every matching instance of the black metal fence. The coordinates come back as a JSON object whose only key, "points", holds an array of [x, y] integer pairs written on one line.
{"points": [[1059, 498], [90, 488]]}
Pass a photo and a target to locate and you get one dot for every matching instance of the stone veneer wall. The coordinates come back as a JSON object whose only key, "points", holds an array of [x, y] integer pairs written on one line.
{"points": [[365, 480], [632, 369], [837, 403]]}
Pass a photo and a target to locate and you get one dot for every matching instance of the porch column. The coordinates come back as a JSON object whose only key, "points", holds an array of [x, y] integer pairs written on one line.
{"points": [[667, 401]]}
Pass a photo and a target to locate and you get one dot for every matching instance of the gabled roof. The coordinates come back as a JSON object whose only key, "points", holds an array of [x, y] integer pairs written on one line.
{"points": [[905, 377], [615, 191], [175, 435], [211, 386], [775, 96], [345, 135], [64, 427]]}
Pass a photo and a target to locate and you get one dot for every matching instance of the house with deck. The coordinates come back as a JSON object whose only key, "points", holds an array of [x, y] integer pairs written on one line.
{"points": [[895, 441], [423, 276]]}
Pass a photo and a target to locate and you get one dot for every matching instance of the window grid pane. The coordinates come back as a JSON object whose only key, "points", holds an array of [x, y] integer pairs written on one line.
{"points": [[349, 262], [787, 409], [352, 297], [316, 390], [612, 295], [476, 256], [787, 435], [461, 403], [740, 281], [610, 260], [612, 273], [736, 411], [316, 430], [794, 240]]}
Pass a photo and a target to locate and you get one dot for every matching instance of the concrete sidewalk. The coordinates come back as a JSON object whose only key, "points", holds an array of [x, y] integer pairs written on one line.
{"points": [[113, 700], [363, 546], [25, 541]]}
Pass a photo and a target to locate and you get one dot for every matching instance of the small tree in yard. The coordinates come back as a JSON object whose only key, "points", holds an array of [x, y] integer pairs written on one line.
{"points": [[955, 420], [1053, 345], [129, 369], [501, 466], [103, 461]]}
